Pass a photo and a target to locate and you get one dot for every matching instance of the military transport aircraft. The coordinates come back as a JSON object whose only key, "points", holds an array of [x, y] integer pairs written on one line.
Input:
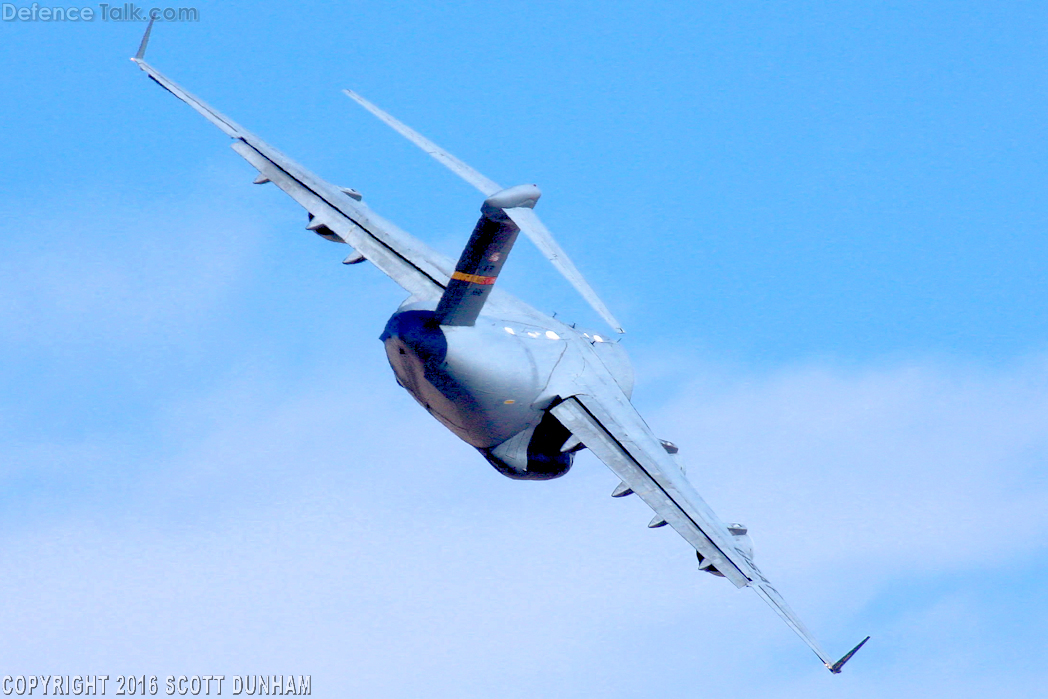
{"points": [[526, 390]]}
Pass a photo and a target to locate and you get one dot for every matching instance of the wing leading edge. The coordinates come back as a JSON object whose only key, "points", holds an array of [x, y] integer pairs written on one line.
{"points": [[412, 264], [616, 433], [405, 259]]}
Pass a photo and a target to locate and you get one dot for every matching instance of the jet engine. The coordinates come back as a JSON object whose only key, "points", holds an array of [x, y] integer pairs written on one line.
{"points": [[323, 231]]}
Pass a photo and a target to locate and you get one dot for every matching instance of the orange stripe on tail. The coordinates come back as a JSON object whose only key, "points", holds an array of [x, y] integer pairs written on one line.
{"points": [[473, 278]]}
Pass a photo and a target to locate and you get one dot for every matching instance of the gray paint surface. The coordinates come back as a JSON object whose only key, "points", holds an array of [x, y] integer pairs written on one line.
{"points": [[497, 375]]}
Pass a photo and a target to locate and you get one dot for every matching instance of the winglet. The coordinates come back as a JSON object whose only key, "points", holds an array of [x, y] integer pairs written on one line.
{"points": [[836, 667], [145, 40]]}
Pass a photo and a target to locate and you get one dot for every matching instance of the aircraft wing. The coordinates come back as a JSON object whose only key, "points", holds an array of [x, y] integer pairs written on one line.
{"points": [[408, 261], [615, 432]]}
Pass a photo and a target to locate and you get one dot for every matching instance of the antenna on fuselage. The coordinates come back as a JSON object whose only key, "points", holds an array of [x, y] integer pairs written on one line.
{"points": [[524, 217]]}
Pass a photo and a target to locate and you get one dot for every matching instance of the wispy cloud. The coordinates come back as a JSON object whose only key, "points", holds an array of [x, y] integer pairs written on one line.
{"points": [[340, 531], [927, 465]]}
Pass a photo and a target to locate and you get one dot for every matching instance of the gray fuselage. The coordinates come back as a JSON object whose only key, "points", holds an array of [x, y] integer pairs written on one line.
{"points": [[491, 383]]}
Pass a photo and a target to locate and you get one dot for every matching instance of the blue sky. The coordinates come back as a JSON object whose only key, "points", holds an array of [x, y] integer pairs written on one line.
{"points": [[821, 223]]}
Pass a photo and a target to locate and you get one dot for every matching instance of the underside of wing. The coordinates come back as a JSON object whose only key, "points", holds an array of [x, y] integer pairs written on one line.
{"points": [[408, 261], [618, 436], [613, 430]]}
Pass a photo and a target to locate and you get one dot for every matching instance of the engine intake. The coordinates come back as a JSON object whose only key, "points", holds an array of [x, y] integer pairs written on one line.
{"points": [[534, 454]]}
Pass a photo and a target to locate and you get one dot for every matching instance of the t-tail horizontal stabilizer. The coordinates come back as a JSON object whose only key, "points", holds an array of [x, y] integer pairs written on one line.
{"points": [[524, 217]]}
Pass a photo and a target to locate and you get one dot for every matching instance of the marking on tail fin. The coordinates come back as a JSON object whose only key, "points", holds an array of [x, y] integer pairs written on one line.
{"points": [[477, 270], [473, 278]]}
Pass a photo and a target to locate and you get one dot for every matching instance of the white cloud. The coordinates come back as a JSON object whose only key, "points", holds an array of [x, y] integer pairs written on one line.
{"points": [[341, 532], [107, 277], [920, 466], [304, 515]]}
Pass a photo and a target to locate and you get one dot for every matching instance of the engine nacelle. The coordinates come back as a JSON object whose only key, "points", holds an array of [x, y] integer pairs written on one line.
{"points": [[534, 454], [323, 231], [743, 543]]}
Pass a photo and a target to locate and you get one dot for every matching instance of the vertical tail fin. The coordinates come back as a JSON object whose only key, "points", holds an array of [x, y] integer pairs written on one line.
{"points": [[483, 257]]}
